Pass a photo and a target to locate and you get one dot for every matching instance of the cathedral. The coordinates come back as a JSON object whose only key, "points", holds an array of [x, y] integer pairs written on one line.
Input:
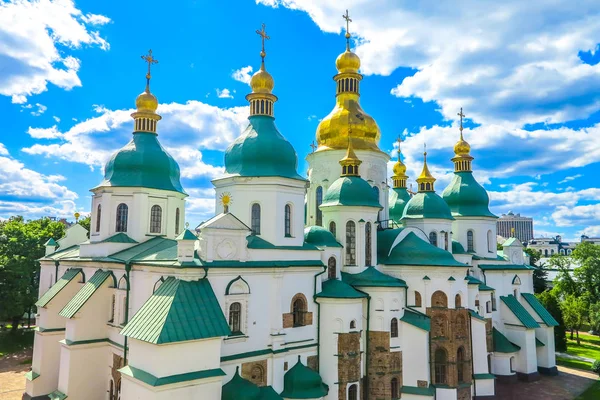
{"points": [[340, 284]]}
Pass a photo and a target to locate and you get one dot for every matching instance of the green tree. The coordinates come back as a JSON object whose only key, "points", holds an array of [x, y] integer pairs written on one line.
{"points": [[565, 282], [21, 245], [575, 313], [594, 317], [540, 275], [551, 303], [587, 275], [86, 222]]}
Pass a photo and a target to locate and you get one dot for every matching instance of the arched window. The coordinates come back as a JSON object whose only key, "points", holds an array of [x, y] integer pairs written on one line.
{"points": [[433, 238], [353, 324], [552, 252], [353, 392], [235, 318], [98, 217], [350, 243], [332, 228], [255, 219], [288, 220], [470, 243], [418, 301], [446, 240], [394, 388], [155, 219], [394, 328], [512, 364], [257, 374], [457, 303], [440, 361], [460, 364], [298, 311], [490, 240], [122, 211], [318, 202], [546, 252], [368, 244], [439, 299], [177, 221], [331, 268]]}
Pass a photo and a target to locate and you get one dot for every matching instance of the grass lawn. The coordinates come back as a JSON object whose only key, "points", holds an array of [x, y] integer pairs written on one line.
{"points": [[13, 342], [591, 339], [567, 362], [593, 393], [586, 349]]}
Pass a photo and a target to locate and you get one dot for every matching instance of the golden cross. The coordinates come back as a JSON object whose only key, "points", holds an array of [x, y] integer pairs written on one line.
{"points": [[150, 60], [461, 115], [263, 34], [348, 20], [313, 146], [399, 140]]}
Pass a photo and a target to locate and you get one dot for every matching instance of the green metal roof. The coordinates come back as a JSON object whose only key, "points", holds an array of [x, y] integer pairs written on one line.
{"points": [[268, 393], [372, 277], [538, 343], [451, 279], [501, 267], [476, 315], [519, 311], [458, 248], [301, 382], [485, 288], [350, 191], [86, 292], [187, 235], [336, 289], [154, 381], [57, 395], [398, 198], [419, 391], [179, 311], [51, 242], [511, 241], [118, 238], [257, 242], [58, 286], [416, 319], [261, 151], [471, 280], [466, 197], [67, 252], [502, 344], [427, 205], [414, 251], [539, 309], [497, 258], [239, 388], [143, 162], [319, 236]]}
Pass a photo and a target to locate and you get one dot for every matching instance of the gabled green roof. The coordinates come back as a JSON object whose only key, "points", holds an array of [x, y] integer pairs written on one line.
{"points": [[412, 250], [511, 241], [502, 344], [86, 292], [466, 197], [179, 311], [350, 191], [485, 288], [58, 286], [51, 242], [538, 343], [301, 382], [336, 289], [154, 381], [427, 205], [319, 236], [426, 278], [416, 319], [508, 267], [458, 248], [519, 311], [257, 242], [539, 309], [372, 277], [118, 238], [155, 249], [451, 279], [476, 315], [187, 235], [471, 280]]}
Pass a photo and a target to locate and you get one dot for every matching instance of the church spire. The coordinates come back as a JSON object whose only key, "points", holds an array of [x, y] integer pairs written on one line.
{"points": [[350, 162], [425, 180], [146, 103], [399, 178], [261, 99], [462, 159]]}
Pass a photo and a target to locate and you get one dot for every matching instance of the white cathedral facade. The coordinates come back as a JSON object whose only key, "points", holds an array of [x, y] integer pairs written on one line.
{"points": [[331, 286]]}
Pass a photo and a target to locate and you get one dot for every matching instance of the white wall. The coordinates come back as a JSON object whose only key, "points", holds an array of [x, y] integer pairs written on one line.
{"points": [[205, 389], [480, 227], [83, 371]]}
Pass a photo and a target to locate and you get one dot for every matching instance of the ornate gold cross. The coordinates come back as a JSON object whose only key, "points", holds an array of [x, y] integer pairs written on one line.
{"points": [[348, 20], [150, 60], [263, 34], [461, 115]]}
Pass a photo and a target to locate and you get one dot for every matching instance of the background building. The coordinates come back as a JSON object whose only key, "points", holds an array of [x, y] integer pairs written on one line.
{"points": [[523, 226]]}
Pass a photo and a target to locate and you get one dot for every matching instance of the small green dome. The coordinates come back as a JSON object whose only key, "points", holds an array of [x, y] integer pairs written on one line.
{"points": [[397, 201], [351, 191], [412, 250], [427, 205], [466, 197], [319, 236], [239, 388], [457, 248], [261, 151], [301, 382], [336, 289], [143, 162]]}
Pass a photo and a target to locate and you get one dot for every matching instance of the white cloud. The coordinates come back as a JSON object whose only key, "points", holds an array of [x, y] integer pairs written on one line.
{"points": [[40, 110], [243, 74], [44, 133], [581, 215], [3, 151], [570, 178], [224, 94], [31, 33], [56, 118]]}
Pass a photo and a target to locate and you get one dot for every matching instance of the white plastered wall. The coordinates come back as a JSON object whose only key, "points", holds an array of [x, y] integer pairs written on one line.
{"points": [[480, 227]]}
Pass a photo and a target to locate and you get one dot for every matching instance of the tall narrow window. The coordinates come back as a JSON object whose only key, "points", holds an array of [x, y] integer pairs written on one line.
{"points": [[490, 240], [418, 301], [298, 312], [353, 392], [394, 388], [493, 301], [288, 220], [457, 302], [433, 238], [350, 243], [470, 244], [122, 211], [460, 364], [155, 219], [235, 318], [332, 228], [368, 244], [331, 268], [394, 328], [376, 191], [446, 236], [440, 360], [177, 221], [255, 219], [319, 201], [98, 217]]}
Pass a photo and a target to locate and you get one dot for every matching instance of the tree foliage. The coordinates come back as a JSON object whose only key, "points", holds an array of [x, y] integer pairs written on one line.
{"points": [[551, 302], [86, 222], [587, 275], [540, 275], [575, 313]]}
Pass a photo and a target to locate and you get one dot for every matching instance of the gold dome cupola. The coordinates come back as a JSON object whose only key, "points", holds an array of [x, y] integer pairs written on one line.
{"points": [[426, 180], [262, 83], [399, 178], [146, 103], [462, 159], [334, 130]]}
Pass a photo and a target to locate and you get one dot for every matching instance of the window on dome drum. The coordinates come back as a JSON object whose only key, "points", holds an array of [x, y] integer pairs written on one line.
{"points": [[331, 268], [440, 361], [446, 236], [394, 388], [332, 228], [353, 324], [319, 201], [457, 303], [350, 243], [235, 318], [490, 240], [298, 312], [98, 217], [177, 221], [433, 238], [122, 211], [288, 220], [470, 244], [353, 392], [368, 244], [155, 219], [255, 219], [418, 301], [394, 328], [460, 364]]}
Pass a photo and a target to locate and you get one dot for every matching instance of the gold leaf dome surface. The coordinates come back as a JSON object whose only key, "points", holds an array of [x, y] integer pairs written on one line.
{"points": [[262, 81], [462, 148], [146, 101], [347, 121], [399, 168], [347, 62]]}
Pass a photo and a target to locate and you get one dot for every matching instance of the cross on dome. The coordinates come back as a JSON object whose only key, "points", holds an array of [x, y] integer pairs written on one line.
{"points": [[348, 20], [150, 60], [263, 35]]}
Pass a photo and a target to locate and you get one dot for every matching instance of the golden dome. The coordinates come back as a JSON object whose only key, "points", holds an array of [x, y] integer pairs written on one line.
{"points": [[348, 121], [399, 168], [262, 81], [347, 62], [146, 102], [462, 148]]}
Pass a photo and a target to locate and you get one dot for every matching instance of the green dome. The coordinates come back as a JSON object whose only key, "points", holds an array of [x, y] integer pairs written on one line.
{"points": [[397, 201], [466, 197], [143, 162], [427, 205], [457, 248], [412, 250], [319, 236], [336, 289], [351, 191], [239, 388], [301, 382], [261, 151]]}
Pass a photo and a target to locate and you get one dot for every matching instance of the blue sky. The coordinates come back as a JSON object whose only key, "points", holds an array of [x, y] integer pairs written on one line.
{"points": [[527, 76]]}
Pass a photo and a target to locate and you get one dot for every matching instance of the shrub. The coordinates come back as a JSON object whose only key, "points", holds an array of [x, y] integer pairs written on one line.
{"points": [[596, 367]]}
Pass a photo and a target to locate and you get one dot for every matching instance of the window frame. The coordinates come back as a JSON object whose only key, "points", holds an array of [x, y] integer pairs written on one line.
{"points": [[255, 218], [156, 216], [350, 248], [122, 218], [287, 220], [470, 241], [318, 202]]}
